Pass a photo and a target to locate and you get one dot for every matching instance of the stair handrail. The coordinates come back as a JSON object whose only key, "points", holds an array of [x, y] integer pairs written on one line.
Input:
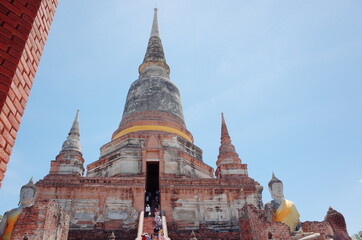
{"points": [[140, 226], [164, 228]]}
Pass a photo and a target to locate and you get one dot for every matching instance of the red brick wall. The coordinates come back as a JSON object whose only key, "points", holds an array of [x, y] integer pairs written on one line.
{"points": [[24, 27], [101, 234], [201, 234], [320, 227], [253, 225], [44, 220], [205, 235]]}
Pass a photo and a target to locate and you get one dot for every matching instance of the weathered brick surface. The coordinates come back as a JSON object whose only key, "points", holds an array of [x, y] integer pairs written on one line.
{"points": [[24, 27], [215, 201], [92, 202], [153, 118], [336, 220], [254, 226], [321, 227], [44, 220], [203, 234], [101, 234]]}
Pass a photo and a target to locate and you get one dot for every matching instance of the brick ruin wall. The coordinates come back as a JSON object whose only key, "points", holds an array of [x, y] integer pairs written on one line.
{"points": [[189, 204], [321, 227], [253, 225], [96, 203], [24, 27], [202, 234], [44, 220], [101, 234]]}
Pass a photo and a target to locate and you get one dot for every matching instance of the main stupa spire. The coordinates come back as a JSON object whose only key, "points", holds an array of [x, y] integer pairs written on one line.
{"points": [[155, 57], [153, 102]]}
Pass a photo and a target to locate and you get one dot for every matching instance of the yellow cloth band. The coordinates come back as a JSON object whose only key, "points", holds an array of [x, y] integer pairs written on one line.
{"points": [[287, 213], [283, 211], [154, 128], [11, 222]]}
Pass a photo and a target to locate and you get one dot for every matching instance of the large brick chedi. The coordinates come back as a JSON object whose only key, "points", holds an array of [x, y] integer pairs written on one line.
{"points": [[24, 27], [150, 152]]}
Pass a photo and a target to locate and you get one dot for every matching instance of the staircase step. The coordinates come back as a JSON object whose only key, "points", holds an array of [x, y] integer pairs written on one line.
{"points": [[148, 225]]}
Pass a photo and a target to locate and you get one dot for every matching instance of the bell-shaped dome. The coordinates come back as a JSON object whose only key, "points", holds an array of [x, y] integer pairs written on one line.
{"points": [[153, 102]]}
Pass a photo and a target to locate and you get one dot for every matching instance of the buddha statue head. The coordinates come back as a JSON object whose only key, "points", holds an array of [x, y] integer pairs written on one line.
{"points": [[276, 188], [27, 194]]}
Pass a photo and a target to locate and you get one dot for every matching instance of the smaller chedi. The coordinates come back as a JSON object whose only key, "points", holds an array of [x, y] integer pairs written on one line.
{"points": [[27, 196], [280, 209]]}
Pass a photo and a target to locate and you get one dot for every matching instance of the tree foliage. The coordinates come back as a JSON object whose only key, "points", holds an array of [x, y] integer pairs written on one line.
{"points": [[357, 236]]}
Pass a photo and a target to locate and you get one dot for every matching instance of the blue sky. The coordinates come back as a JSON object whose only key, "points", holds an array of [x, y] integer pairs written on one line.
{"points": [[286, 74]]}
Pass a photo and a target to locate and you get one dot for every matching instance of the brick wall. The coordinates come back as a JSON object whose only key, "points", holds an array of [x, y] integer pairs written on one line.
{"points": [[321, 227], [101, 234], [254, 226], [337, 222], [201, 234], [44, 220], [24, 27]]}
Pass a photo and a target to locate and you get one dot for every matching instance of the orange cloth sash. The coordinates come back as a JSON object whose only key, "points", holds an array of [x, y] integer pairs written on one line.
{"points": [[11, 222], [287, 213]]}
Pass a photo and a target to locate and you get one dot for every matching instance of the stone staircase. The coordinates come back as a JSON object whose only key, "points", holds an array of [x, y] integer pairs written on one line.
{"points": [[148, 225]]}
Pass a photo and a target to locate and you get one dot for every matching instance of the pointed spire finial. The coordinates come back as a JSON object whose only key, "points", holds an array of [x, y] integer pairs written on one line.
{"points": [[155, 58], [155, 32], [225, 137], [73, 141], [228, 162], [75, 126]]}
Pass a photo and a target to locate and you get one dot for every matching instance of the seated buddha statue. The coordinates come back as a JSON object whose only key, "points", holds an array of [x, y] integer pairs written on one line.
{"points": [[280, 209], [27, 196]]}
